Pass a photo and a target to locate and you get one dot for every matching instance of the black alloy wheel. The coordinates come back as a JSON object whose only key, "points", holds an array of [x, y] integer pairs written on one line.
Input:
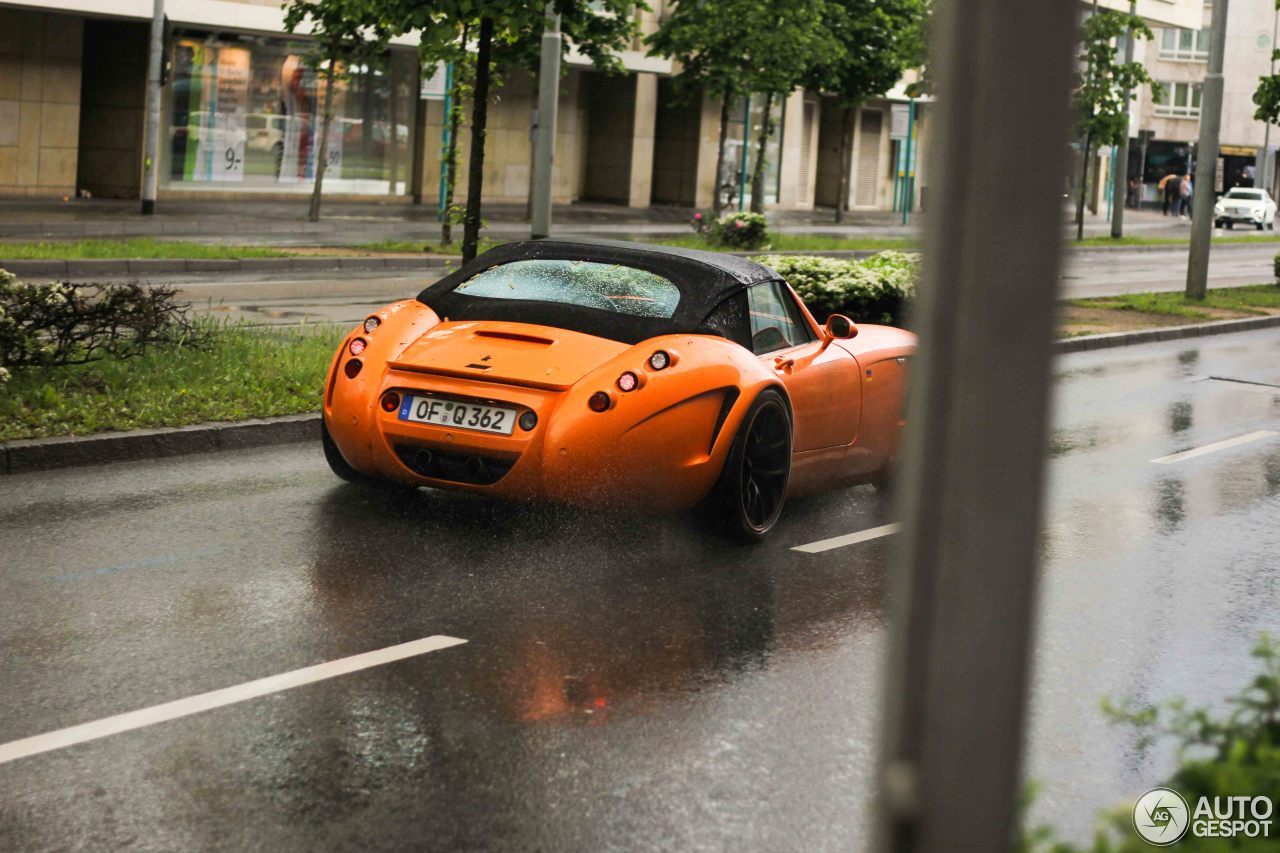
{"points": [[753, 486]]}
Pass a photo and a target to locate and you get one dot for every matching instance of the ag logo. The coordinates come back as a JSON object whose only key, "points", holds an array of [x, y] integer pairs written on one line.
{"points": [[1161, 816]]}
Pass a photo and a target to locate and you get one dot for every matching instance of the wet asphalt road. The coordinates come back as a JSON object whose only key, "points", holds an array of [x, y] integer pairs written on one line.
{"points": [[627, 682]]}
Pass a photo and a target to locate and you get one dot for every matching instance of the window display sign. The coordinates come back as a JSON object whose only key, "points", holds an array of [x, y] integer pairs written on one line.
{"points": [[303, 120], [211, 92]]}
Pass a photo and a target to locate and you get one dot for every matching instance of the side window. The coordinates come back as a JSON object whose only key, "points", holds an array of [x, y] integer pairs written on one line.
{"points": [[775, 319]]}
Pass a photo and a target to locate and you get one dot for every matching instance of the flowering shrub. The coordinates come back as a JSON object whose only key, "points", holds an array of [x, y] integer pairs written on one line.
{"points": [[739, 231], [51, 324], [878, 289]]}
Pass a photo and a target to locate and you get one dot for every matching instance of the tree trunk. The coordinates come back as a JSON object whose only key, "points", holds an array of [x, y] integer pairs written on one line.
{"points": [[846, 153], [479, 117], [757, 171], [717, 201], [322, 156], [1084, 182], [454, 118]]}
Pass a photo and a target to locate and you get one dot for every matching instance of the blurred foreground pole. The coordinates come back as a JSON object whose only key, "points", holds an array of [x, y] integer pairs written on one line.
{"points": [[965, 566], [151, 128], [544, 142], [1203, 196], [1120, 164]]}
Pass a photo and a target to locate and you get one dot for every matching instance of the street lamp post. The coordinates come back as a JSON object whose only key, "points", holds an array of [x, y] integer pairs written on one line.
{"points": [[544, 143], [151, 130], [1203, 199]]}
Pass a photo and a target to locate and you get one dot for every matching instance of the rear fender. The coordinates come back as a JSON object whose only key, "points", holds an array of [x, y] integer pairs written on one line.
{"points": [[350, 402], [664, 443]]}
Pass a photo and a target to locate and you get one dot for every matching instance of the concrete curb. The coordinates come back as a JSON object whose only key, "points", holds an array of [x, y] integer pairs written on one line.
{"points": [[40, 454], [1168, 333], [113, 268]]}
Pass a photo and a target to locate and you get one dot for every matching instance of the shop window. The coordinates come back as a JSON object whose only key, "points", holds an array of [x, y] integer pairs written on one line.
{"points": [[245, 113]]}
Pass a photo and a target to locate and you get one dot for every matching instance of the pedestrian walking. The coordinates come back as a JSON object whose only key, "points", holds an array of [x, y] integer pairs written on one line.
{"points": [[1168, 189], [1185, 190], [1131, 197]]}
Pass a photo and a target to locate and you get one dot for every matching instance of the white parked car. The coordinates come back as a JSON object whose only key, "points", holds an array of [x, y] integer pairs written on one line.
{"points": [[1248, 205]]}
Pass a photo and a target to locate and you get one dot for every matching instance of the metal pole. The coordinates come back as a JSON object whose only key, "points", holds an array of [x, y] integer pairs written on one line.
{"points": [[1207, 157], [1120, 176], [151, 131], [746, 152], [544, 144], [964, 570], [908, 183], [1265, 178], [441, 197]]}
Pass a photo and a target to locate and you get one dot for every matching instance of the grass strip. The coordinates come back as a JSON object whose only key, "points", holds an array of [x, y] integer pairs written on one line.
{"points": [[242, 372]]}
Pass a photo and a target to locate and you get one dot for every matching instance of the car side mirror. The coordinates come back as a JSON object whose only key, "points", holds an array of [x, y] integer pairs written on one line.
{"points": [[840, 327]]}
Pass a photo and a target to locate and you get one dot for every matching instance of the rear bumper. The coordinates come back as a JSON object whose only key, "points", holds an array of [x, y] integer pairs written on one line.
{"points": [[666, 461]]}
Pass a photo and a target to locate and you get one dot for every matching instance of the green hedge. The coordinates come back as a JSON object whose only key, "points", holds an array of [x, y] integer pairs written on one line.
{"points": [[878, 289]]}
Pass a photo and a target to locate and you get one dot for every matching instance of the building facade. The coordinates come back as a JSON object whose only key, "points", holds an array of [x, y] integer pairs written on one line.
{"points": [[241, 107], [1165, 129]]}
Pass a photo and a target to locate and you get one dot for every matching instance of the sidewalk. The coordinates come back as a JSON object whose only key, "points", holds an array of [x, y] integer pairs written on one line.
{"points": [[283, 223]]}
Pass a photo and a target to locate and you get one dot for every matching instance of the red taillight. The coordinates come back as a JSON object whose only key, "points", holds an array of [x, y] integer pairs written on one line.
{"points": [[628, 381], [599, 402], [390, 401], [357, 346], [352, 367]]}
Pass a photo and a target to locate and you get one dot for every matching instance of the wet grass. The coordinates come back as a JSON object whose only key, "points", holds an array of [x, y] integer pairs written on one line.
{"points": [[242, 372], [131, 249], [1254, 299], [421, 247]]}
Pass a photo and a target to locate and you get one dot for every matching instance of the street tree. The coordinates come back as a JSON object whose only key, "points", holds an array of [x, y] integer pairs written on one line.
{"points": [[882, 39], [729, 48], [344, 33], [506, 28], [451, 44], [1101, 99]]}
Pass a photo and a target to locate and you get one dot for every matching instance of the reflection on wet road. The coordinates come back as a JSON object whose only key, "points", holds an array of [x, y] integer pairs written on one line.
{"points": [[627, 682]]}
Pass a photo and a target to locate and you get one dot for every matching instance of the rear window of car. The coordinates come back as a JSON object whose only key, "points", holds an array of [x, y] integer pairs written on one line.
{"points": [[615, 288]]}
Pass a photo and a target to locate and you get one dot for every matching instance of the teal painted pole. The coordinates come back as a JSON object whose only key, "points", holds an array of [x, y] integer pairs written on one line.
{"points": [[746, 152], [444, 142], [909, 181]]}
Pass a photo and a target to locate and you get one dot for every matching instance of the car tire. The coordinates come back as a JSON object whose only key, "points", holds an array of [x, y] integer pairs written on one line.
{"points": [[748, 500], [339, 466]]}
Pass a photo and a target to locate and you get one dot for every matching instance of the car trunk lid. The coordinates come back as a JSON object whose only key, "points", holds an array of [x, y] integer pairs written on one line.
{"points": [[511, 353]]}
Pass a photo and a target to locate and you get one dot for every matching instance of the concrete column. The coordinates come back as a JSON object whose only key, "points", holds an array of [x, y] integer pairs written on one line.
{"points": [[792, 131], [642, 129], [708, 139]]}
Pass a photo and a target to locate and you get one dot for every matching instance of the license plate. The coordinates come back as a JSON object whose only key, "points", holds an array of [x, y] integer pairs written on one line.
{"points": [[451, 413]]}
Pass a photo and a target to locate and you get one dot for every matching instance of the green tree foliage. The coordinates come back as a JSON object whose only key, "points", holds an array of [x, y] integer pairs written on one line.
{"points": [[728, 48], [882, 38], [343, 32], [1221, 754], [1101, 100], [507, 33]]}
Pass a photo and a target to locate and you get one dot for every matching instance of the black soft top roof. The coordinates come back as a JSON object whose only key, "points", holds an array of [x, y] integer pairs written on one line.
{"points": [[705, 280]]}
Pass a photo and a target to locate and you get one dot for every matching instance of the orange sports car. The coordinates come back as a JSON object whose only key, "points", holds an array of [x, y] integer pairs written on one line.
{"points": [[617, 373]]}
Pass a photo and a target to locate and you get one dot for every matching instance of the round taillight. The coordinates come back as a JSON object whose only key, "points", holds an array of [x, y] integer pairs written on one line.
{"points": [[370, 324], [390, 401], [659, 360], [352, 368], [528, 421], [628, 381], [599, 402], [357, 346]]}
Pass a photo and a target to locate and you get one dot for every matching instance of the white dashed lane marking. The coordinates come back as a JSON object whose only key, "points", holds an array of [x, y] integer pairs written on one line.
{"points": [[218, 698], [1216, 446], [849, 539]]}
